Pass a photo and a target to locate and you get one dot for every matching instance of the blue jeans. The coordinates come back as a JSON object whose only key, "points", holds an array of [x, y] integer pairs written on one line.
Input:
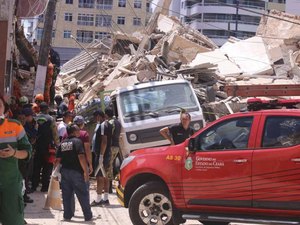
{"points": [[73, 181]]}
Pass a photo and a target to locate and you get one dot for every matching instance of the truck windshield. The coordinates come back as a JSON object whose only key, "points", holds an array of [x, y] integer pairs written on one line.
{"points": [[157, 101]]}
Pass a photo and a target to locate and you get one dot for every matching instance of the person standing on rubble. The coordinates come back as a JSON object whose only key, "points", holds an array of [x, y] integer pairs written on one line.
{"points": [[178, 133], [103, 153], [14, 145], [47, 139]]}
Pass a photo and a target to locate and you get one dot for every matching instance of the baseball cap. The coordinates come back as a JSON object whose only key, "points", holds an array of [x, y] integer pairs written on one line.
{"points": [[78, 120], [44, 106], [27, 112]]}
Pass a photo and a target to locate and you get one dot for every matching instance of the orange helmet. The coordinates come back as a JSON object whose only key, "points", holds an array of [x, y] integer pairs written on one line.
{"points": [[39, 97]]}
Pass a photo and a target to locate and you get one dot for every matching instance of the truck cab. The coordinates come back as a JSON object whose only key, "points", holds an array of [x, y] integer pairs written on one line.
{"points": [[143, 109], [244, 168]]}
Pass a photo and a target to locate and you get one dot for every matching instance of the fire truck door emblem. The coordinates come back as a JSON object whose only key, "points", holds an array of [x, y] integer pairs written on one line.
{"points": [[188, 163]]}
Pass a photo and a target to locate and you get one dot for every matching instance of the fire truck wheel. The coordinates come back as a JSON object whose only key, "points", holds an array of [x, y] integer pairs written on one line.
{"points": [[213, 223], [151, 204]]}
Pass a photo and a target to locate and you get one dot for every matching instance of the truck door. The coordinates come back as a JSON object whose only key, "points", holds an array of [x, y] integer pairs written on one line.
{"points": [[276, 163], [219, 172]]}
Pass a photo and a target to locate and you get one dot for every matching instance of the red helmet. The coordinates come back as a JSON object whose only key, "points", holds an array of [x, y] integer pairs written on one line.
{"points": [[39, 97]]}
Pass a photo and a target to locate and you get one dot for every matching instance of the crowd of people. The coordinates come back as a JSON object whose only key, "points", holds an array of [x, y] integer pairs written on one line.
{"points": [[36, 144]]}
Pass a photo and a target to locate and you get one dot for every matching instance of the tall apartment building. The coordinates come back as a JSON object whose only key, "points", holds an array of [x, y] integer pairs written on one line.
{"points": [[219, 19], [86, 20]]}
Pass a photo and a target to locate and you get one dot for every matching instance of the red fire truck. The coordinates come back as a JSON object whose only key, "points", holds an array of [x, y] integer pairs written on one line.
{"points": [[244, 167]]}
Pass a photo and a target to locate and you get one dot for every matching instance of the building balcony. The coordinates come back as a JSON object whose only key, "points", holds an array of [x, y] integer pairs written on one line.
{"points": [[200, 8], [223, 25]]}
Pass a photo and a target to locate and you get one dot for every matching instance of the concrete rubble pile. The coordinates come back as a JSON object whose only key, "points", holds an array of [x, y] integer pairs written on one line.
{"points": [[137, 57], [168, 50]]}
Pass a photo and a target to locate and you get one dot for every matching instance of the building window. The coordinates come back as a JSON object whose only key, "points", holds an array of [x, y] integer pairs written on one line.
{"points": [[39, 32], [101, 35], [148, 8], [137, 4], [122, 3], [68, 17], [84, 36], [67, 34], [104, 4], [53, 34], [121, 20], [69, 1], [137, 21], [85, 19], [86, 3], [103, 21], [41, 18]]}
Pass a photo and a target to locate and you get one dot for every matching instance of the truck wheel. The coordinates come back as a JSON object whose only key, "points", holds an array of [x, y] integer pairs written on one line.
{"points": [[213, 223], [151, 204]]}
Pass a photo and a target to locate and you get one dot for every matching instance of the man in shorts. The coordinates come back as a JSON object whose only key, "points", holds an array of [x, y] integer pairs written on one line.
{"points": [[103, 153]]}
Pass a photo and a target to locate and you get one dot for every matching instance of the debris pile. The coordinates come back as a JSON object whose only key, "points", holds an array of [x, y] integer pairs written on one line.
{"points": [[166, 49]]}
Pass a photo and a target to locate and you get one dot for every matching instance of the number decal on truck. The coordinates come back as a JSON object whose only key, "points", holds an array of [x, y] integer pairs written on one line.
{"points": [[173, 157]]}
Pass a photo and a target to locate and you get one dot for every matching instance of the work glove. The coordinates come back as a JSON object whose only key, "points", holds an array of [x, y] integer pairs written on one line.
{"points": [[101, 160]]}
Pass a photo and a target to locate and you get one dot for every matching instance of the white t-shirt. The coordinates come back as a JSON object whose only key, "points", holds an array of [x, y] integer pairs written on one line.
{"points": [[62, 128]]}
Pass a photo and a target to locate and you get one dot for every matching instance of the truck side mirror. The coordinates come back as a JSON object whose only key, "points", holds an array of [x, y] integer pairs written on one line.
{"points": [[191, 145]]}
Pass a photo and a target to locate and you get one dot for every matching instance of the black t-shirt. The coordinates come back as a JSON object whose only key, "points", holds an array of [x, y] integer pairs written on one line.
{"points": [[105, 129], [68, 151], [116, 130], [179, 134]]}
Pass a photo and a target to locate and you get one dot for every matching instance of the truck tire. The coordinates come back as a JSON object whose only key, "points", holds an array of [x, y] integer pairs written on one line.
{"points": [[151, 204]]}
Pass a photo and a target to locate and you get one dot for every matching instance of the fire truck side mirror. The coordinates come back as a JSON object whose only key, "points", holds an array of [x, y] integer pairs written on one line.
{"points": [[191, 145]]}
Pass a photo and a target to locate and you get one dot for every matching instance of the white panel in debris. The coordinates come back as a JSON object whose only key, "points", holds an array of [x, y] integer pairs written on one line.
{"points": [[225, 67], [166, 24], [250, 55]]}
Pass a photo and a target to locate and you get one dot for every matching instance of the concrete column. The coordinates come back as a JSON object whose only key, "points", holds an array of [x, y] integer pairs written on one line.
{"points": [[6, 38], [3, 44]]}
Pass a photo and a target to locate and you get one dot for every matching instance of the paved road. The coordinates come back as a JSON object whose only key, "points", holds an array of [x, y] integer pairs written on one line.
{"points": [[109, 215]]}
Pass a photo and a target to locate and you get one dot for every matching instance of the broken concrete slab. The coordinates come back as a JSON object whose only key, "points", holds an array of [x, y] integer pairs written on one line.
{"points": [[249, 55]]}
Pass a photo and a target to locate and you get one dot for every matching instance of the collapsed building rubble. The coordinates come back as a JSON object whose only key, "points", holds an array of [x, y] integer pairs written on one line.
{"points": [[175, 51], [166, 49]]}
